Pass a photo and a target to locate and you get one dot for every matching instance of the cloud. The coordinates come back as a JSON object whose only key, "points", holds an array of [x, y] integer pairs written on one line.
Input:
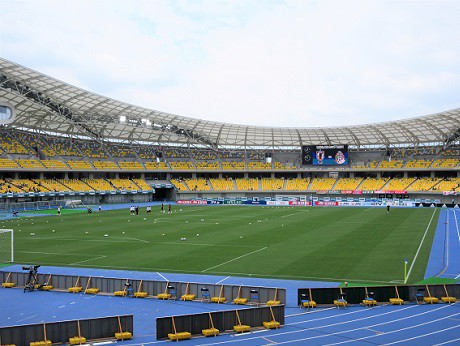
{"points": [[277, 63]]}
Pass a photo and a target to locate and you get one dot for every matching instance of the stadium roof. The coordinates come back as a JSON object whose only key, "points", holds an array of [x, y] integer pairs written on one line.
{"points": [[45, 104]]}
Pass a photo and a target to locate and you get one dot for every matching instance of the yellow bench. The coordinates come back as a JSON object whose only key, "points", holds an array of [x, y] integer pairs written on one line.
{"points": [[218, 300], [449, 299], [396, 301], [272, 325], [77, 340], [41, 343], [210, 332], [187, 297], [340, 303], [240, 301], [273, 302], [123, 336], [120, 293], [140, 295], [179, 336], [8, 284], [431, 300], [241, 328], [92, 290], [369, 302], [75, 289], [164, 296], [47, 287], [309, 304]]}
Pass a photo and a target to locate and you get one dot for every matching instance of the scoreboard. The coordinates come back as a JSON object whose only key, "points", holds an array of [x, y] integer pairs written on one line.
{"points": [[325, 155]]}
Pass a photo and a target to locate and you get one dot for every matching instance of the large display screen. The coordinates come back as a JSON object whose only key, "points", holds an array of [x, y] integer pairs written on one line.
{"points": [[325, 155]]}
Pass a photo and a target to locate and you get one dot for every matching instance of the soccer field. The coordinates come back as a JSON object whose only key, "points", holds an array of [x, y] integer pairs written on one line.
{"points": [[336, 244]]}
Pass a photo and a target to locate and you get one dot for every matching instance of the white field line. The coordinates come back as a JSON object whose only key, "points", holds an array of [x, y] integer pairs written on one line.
{"points": [[419, 247], [305, 277], [106, 240], [58, 253], [233, 259], [87, 260], [141, 240], [299, 212]]}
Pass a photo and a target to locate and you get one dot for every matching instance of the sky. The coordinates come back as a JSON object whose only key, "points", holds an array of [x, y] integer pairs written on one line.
{"points": [[265, 62]]}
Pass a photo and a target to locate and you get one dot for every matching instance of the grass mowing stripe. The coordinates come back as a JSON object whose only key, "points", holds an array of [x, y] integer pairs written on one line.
{"points": [[419, 247]]}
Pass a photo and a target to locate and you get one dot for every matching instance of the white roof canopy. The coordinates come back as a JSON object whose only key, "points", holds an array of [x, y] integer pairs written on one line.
{"points": [[45, 104]]}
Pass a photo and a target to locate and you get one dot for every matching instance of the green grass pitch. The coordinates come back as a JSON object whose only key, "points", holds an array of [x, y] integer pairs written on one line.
{"points": [[304, 243]]}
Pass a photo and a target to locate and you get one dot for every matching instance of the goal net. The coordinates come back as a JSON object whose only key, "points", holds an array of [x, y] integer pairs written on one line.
{"points": [[6, 246]]}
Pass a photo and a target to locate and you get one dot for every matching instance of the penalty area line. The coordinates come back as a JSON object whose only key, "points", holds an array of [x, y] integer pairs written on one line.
{"points": [[87, 260], [233, 259]]}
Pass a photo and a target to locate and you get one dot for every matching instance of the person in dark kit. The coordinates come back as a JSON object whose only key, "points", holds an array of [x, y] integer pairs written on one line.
{"points": [[388, 207], [137, 210], [90, 210], [15, 213], [162, 208], [169, 208]]}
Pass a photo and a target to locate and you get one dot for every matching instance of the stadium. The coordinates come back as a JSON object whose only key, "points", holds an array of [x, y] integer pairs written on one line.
{"points": [[266, 222]]}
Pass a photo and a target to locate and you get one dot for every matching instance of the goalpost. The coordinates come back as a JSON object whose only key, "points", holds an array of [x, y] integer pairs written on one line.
{"points": [[6, 246]]}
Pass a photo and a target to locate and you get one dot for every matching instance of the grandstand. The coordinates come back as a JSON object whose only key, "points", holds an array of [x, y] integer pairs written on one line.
{"points": [[72, 153]]}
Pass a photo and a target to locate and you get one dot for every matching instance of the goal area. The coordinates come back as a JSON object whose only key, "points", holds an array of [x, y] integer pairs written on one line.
{"points": [[6, 246]]}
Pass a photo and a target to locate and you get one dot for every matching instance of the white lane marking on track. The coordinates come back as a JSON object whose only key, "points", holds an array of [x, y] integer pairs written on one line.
{"points": [[271, 342], [446, 242], [390, 332], [341, 323], [218, 282], [234, 259], [422, 335], [447, 342], [162, 276], [419, 247], [456, 224], [309, 312], [26, 318]]}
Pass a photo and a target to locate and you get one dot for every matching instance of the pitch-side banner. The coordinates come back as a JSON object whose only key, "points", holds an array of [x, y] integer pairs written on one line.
{"points": [[181, 201]]}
